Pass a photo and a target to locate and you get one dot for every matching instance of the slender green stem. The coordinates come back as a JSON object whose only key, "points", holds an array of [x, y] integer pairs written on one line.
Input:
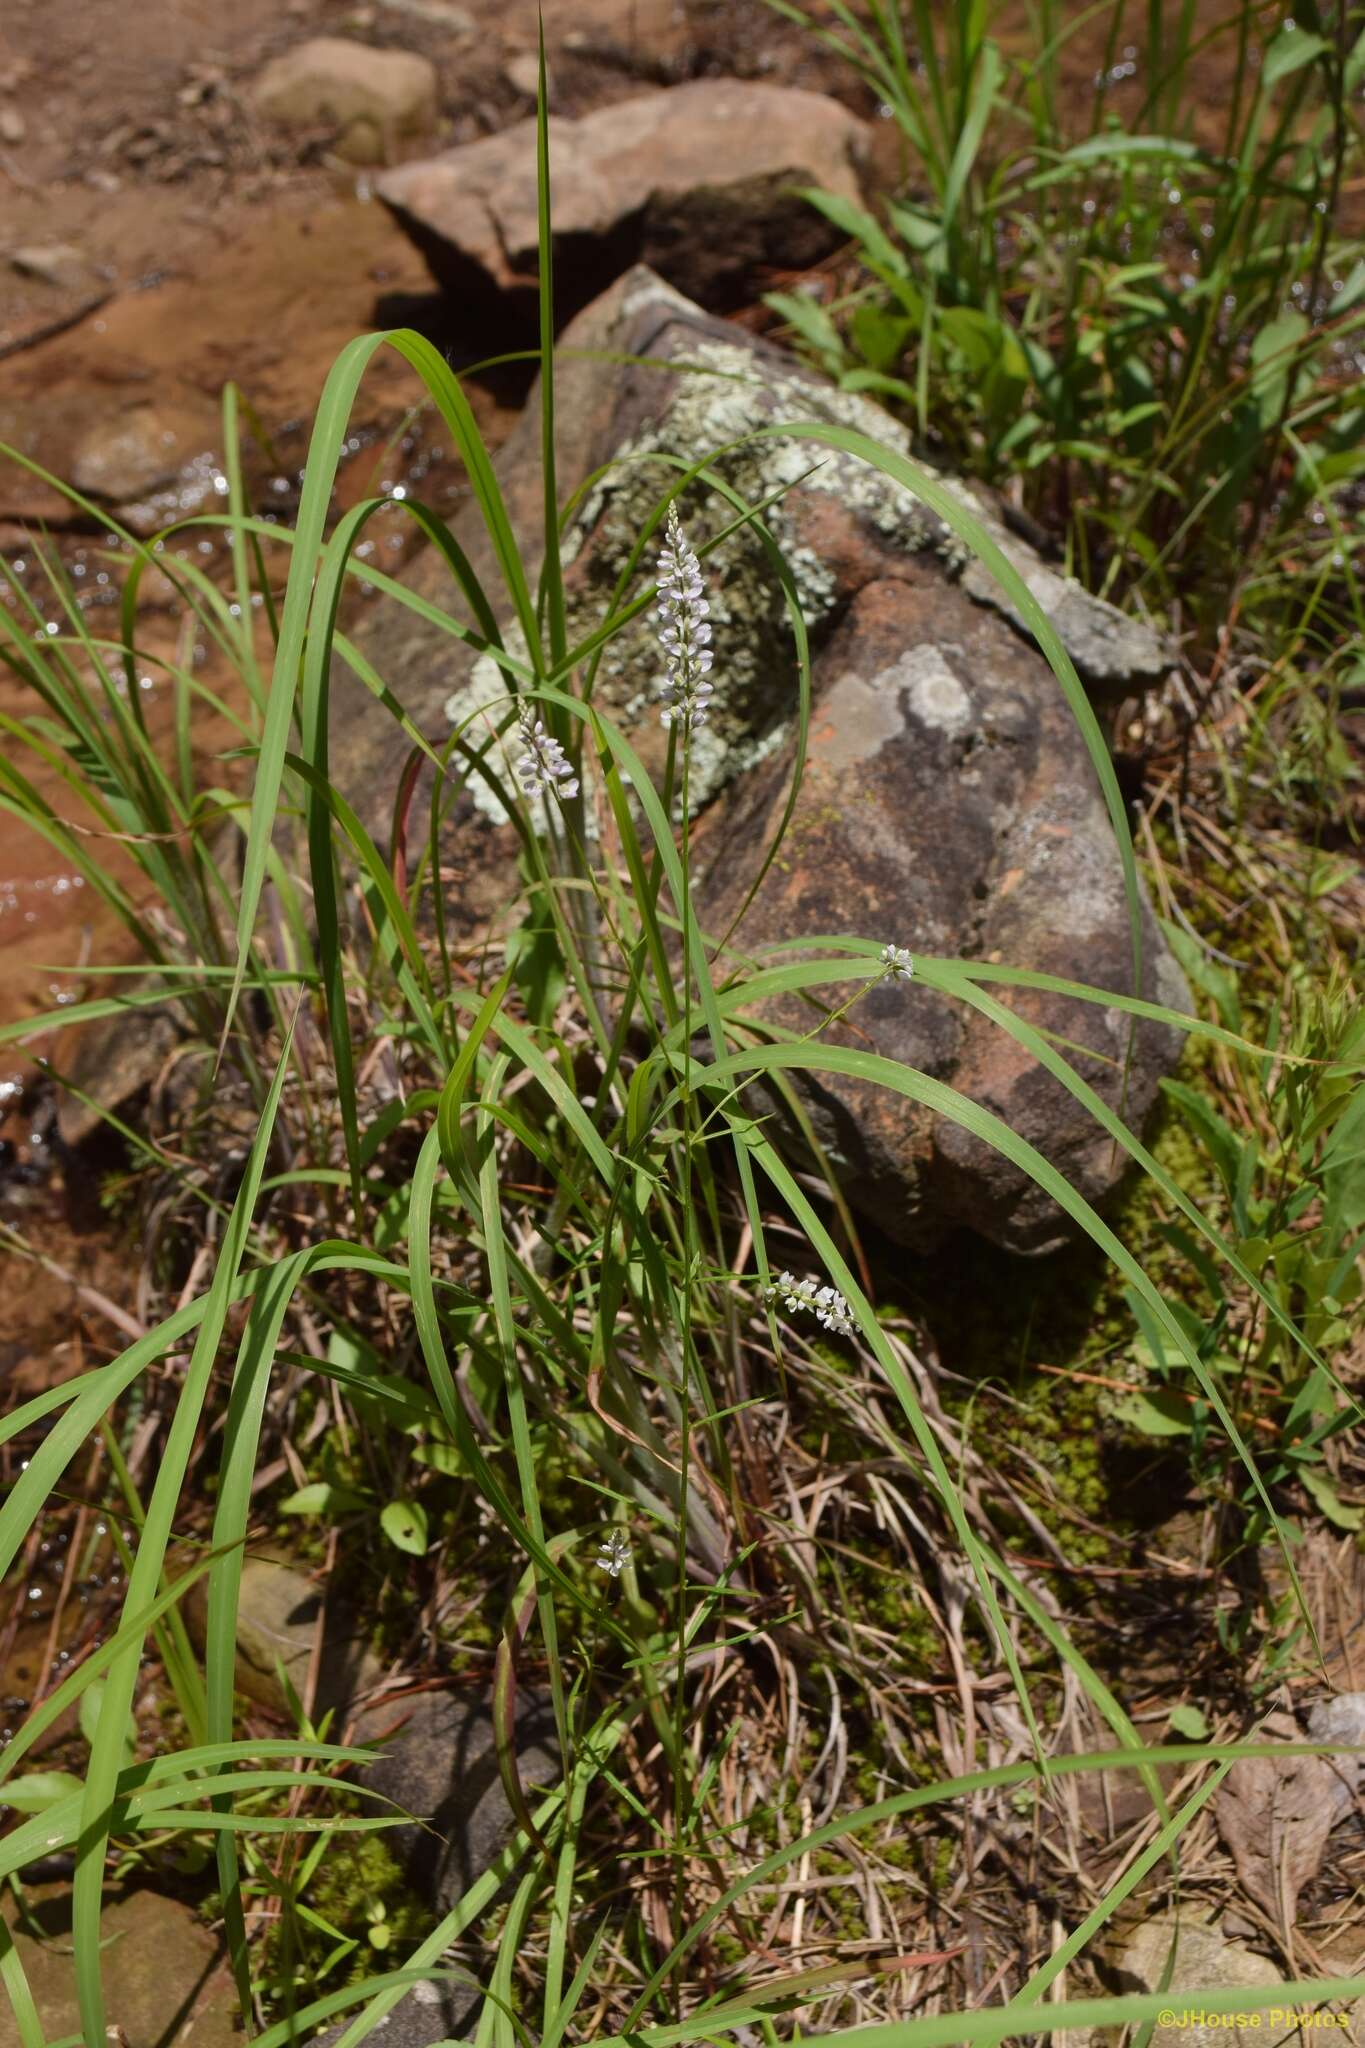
{"points": [[680, 1750]]}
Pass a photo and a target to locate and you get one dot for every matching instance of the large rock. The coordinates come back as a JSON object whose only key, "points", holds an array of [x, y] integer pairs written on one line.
{"points": [[166, 1982], [698, 181], [439, 1765], [367, 99], [950, 805]]}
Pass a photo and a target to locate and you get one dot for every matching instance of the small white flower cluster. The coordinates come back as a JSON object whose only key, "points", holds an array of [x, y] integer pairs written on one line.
{"points": [[825, 1303], [614, 1554], [684, 634], [544, 766], [897, 964]]}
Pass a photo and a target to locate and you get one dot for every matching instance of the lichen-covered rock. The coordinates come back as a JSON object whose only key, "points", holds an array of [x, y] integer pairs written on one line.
{"points": [[1116, 654], [950, 804], [698, 384], [699, 181]]}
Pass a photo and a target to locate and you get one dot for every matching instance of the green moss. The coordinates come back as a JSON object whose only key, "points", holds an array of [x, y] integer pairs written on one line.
{"points": [[358, 1889], [727, 1951], [999, 1320], [358, 1884]]}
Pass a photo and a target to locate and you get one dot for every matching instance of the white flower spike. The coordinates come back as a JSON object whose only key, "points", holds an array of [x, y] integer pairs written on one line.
{"points": [[544, 766], [826, 1304], [897, 964], [614, 1554], [683, 632]]}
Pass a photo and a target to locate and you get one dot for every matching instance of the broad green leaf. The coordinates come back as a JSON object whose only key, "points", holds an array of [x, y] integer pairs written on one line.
{"points": [[1318, 1486], [880, 336], [1289, 51], [1222, 1142], [442, 1457], [404, 1522], [1275, 357], [1155, 1413], [1120, 148], [1342, 1171], [859, 226], [921, 231], [810, 320], [1217, 982], [39, 1790], [320, 1497]]}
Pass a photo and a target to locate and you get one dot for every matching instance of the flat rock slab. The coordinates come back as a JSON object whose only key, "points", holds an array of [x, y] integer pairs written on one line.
{"points": [[698, 181], [166, 1984], [950, 806]]}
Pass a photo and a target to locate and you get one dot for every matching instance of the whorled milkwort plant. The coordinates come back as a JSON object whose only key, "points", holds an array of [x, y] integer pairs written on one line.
{"points": [[588, 1329], [542, 767], [685, 634]]}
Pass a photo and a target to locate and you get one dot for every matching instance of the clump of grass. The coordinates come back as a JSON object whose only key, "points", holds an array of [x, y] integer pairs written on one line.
{"points": [[592, 1350], [1145, 325]]}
